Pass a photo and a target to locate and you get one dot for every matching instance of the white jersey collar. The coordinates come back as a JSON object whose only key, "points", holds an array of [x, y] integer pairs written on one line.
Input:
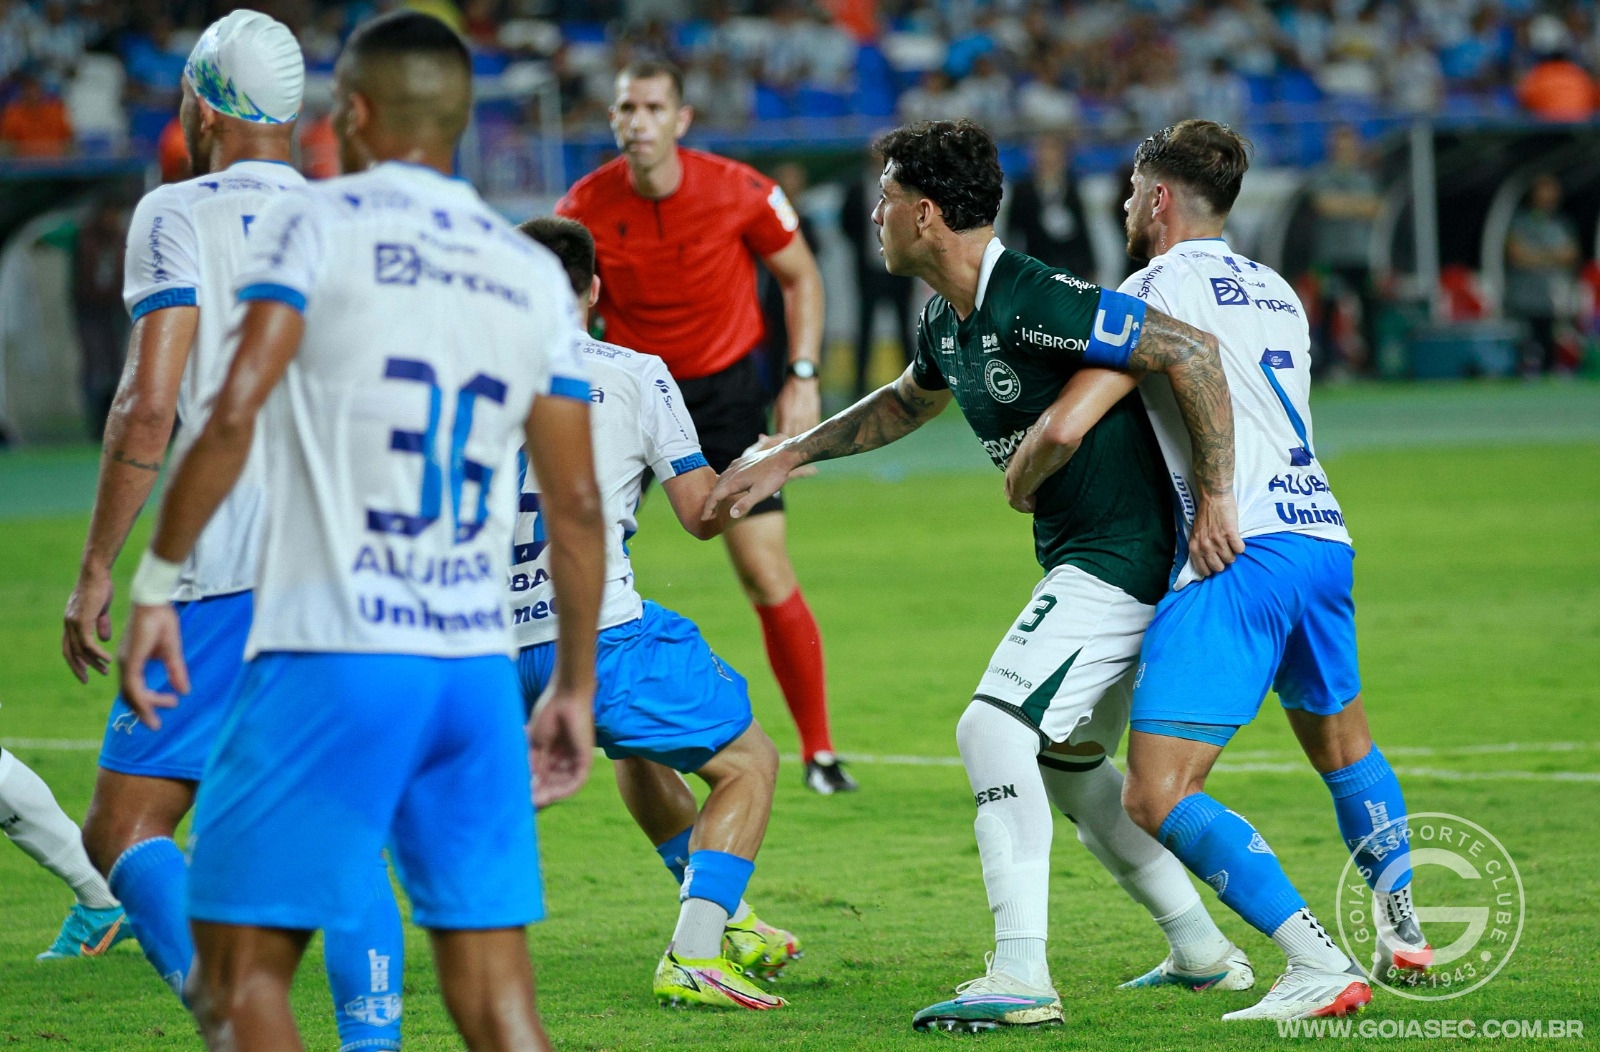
{"points": [[991, 256]]}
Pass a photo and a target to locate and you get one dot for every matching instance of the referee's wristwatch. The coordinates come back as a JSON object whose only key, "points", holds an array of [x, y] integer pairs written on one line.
{"points": [[804, 369]]}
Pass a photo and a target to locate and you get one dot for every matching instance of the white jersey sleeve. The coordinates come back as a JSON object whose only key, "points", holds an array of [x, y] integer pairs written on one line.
{"points": [[162, 265], [286, 252], [671, 446]]}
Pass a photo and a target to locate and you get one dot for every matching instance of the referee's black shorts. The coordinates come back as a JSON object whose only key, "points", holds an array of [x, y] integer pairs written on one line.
{"points": [[729, 410]]}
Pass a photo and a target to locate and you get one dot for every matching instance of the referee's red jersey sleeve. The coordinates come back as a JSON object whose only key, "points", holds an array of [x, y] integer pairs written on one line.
{"points": [[772, 220]]}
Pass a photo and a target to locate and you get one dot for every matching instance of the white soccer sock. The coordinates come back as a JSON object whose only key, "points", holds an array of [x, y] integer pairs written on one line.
{"points": [[698, 936], [1013, 828], [34, 821], [1307, 945], [1148, 872]]}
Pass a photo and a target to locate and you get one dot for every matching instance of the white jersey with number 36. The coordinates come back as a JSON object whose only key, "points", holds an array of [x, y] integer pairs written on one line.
{"points": [[186, 244], [1278, 482], [390, 445]]}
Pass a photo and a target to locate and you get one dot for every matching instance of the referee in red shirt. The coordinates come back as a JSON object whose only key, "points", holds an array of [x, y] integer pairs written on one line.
{"points": [[677, 233]]}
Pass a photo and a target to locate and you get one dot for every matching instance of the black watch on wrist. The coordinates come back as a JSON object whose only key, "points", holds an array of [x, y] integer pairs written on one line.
{"points": [[804, 369]]}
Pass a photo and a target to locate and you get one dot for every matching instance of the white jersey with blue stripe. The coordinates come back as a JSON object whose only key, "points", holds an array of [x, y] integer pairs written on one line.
{"points": [[391, 444], [1279, 483], [640, 425], [186, 245]]}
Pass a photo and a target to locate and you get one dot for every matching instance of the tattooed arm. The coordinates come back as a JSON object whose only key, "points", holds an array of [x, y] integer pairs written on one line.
{"points": [[136, 435], [1190, 358], [888, 414]]}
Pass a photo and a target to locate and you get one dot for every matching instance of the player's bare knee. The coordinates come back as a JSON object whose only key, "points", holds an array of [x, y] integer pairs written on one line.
{"points": [[1147, 805]]}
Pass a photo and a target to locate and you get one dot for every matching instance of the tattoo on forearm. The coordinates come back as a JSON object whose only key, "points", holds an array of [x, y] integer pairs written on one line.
{"points": [[1191, 361], [122, 458], [887, 414]]}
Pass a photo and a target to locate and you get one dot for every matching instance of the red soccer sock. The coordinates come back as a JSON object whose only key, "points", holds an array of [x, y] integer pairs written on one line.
{"points": [[794, 647]]}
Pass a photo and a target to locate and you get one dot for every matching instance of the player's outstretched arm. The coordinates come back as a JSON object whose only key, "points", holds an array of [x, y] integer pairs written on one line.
{"points": [[269, 338], [561, 735], [886, 415], [136, 436], [1059, 431]]}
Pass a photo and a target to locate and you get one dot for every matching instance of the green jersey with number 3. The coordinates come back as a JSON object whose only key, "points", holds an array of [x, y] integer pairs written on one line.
{"points": [[1109, 511]]}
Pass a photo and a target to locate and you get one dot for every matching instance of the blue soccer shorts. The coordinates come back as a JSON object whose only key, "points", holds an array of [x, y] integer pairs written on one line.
{"points": [[661, 694], [326, 759], [214, 632], [1281, 617]]}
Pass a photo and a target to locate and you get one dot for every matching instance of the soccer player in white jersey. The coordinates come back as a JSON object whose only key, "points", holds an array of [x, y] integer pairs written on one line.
{"points": [[242, 87], [410, 341], [665, 703], [1280, 618]]}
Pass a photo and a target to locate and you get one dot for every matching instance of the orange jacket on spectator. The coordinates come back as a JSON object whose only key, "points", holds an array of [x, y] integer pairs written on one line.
{"points": [[1558, 89], [36, 129]]}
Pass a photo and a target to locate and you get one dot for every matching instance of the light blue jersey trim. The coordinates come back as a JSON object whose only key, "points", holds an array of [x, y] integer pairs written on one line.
{"points": [[266, 290], [567, 387], [161, 300], [683, 465]]}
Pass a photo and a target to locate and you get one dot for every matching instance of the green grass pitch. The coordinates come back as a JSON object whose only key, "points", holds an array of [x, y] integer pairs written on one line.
{"points": [[1478, 586]]}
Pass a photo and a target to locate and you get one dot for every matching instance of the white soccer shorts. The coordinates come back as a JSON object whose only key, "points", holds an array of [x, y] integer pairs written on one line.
{"points": [[1076, 643]]}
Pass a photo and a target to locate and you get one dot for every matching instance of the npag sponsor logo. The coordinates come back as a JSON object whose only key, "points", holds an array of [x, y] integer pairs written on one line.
{"points": [[1002, 381], [404, 265], [1278, 307]]}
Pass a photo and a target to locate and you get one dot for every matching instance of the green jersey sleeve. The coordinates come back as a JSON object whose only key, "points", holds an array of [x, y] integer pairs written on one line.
{"points": [[925, 371], [1057, 314]]}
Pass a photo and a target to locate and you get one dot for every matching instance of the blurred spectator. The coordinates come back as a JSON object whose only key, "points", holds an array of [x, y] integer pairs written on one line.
{"points": [[322, 37], [19, 32], [1541, 261], [1345, 197], [931, 100], [875, 286], [155, 64], [59, 42], [172, 153], [1416, 83], [480, 25], [1556, 88], [34, 123], [319, 148], [1041, 100], [97, 302], [985, 94], [1047, 217], [722, 95], [1219, 94]]}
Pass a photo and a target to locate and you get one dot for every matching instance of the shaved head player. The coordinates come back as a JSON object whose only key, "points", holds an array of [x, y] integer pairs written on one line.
{"points": [[675, 231]]}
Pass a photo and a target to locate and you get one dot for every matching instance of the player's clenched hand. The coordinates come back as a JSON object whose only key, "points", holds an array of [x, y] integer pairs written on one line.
{"points": [[87, 624], [750, 480], [152, 635], [1214, 540], [798, 407], [561, 745]]}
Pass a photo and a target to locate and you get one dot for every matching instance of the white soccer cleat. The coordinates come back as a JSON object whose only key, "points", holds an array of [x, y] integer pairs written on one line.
{"points": [[1231, 971], [1402, 948], [1311, 993]]}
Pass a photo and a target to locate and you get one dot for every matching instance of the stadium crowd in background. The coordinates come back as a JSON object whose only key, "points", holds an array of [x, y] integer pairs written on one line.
{"points": [[115, 67]]}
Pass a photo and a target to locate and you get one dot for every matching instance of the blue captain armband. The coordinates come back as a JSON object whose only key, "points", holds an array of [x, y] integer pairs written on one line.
{"points": [[161, 300], [1118, 324], [266, 290]]}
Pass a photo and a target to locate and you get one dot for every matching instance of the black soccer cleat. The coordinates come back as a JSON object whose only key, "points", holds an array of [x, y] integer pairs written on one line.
{"points": [[825, 775]]}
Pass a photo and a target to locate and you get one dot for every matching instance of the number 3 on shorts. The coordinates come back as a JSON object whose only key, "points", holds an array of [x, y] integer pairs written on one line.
{"points": [[1046, 604]]}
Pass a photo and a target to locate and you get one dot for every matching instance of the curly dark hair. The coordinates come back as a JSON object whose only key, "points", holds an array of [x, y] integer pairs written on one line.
{"points": [[572, 243], [1207, 157], [954, 164]]}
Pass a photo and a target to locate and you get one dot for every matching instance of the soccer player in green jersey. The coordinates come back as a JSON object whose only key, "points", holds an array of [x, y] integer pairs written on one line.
{"points": [[1003, 336]]}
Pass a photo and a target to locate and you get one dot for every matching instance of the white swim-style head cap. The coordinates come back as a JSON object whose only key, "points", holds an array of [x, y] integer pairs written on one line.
{"points": [[248, 65]]}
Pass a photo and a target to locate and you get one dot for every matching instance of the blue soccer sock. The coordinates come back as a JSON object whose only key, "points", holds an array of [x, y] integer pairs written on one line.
{"points": [[1368, 801], [366, 967], [151, 878], [711, 893], [1226, 852], [675, 854]]}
